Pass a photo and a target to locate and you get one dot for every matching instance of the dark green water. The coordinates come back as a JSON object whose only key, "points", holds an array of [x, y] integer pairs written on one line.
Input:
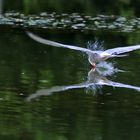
{"points": [[28, 70], [27, 66]]}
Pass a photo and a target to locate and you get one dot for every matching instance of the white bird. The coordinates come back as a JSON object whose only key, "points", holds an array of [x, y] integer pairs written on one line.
{"points": [[94, 56]]}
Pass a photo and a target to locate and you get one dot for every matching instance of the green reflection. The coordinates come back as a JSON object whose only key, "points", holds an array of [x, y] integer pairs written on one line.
{"points": [[26, 66], [89, 7]]}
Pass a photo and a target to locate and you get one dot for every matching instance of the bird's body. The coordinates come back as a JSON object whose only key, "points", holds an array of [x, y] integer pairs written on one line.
{"points": [[94, 56], [97, 57]]}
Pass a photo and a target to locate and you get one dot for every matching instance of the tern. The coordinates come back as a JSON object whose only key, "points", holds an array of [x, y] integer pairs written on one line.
{"points": [[94, 56]]}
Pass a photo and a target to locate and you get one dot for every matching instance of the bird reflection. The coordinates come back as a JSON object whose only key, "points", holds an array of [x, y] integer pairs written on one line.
{"points": [[96, 79]]}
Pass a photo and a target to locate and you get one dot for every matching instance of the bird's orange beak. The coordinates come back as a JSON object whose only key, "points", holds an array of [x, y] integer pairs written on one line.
{"points": [[93, 65]]}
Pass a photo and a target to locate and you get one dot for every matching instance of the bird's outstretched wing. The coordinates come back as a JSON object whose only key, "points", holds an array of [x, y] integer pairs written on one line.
{"points": [[47, 92], [121, 50], [55, 44], [121, 85]]}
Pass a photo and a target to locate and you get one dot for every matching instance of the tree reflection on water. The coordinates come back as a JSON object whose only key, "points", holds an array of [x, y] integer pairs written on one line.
{"points": [[1, 6]]}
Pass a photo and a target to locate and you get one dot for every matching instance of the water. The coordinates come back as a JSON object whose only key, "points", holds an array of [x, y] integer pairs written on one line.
{"points": [[27, 67], [28, 70]]}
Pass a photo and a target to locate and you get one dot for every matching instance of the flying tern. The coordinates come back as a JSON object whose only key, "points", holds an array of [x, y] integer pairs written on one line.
{"points": [[94, 56]]}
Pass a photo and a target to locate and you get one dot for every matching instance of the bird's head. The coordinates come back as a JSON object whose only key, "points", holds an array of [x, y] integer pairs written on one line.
{"points": [[93, 59]]}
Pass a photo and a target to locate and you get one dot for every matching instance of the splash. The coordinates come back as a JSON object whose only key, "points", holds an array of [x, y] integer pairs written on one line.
{"points": [[96, 45]]}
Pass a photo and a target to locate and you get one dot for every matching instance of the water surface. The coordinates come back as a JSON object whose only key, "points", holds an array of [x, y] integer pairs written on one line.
{"points": [[27, 66]]}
